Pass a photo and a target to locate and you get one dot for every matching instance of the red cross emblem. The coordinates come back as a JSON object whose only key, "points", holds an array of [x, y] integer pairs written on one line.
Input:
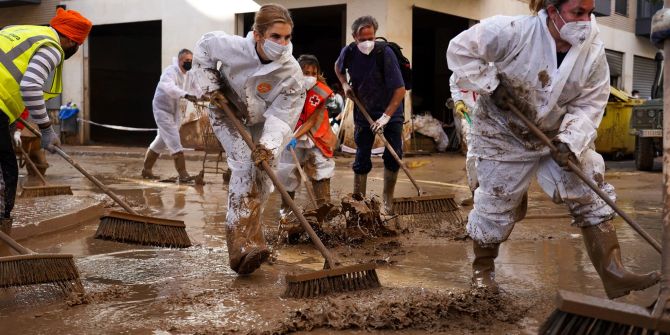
{"points": [[314, 100]]}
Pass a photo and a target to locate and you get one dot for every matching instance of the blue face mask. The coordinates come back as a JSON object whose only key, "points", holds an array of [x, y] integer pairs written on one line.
{"points": [[273, 50]]}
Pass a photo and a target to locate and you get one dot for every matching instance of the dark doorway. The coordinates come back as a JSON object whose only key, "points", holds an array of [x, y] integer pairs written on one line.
{"points": [[124, 68], [319, 31], [431, 33]]}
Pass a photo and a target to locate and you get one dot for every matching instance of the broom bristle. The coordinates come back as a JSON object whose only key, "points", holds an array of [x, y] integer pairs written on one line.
{"points": [[144, 230], [45, 191], [429, 208], [581, 314], [57, 269], [338, 280]]}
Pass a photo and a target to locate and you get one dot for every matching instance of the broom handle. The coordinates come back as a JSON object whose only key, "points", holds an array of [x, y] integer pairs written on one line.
{"points": [[386, 144], [32, 165], [15, 245], [84, 172], [576, 170], [308, 186], [298, 213]]}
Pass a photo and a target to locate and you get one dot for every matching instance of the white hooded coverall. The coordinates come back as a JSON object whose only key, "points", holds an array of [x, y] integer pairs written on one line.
{"points": [[569, 103], [173, 86], [462, 125], [274, 95]]}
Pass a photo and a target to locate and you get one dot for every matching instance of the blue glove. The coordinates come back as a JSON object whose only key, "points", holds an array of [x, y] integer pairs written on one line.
{"points": [[291, 144]]}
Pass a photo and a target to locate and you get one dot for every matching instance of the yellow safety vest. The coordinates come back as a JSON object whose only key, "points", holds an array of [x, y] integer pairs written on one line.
{"points": [[18, 44]]}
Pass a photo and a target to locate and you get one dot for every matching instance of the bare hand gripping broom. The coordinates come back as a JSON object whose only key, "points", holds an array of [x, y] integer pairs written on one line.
{"points": [[45, 189], [334, 278], [30, 268], [130, 227], [581, 314], [444, 205]]}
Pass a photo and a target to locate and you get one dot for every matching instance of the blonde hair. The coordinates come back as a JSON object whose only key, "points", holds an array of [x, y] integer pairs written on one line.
{"points": [[537, 5], [270, 14]]}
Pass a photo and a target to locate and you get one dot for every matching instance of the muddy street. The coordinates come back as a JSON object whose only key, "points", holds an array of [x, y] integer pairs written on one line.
{"points": [[425, 268]]}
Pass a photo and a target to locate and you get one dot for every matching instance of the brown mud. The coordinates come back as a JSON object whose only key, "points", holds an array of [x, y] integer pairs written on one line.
{"points": [[425, 276]]}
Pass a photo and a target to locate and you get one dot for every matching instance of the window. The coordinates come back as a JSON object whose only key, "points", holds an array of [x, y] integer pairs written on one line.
{"points": [[621, 7]]}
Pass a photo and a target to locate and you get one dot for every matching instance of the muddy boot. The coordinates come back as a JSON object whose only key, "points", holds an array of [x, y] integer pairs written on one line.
{"points": [[602, 246], [483, 266], [180, 166], [390, 179], [321, 191], [149, 160], [360, 181], [246, 244]]}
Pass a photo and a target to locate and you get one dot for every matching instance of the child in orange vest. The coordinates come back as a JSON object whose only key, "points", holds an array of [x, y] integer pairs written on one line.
{"points": [[313, 140]]}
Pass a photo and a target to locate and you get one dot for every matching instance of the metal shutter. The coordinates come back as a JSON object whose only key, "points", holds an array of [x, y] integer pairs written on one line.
{"points": [[644, 70], [615, 61]]}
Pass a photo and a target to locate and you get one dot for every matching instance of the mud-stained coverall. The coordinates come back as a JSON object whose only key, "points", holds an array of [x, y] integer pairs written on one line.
{"points": [[469, 99], [274, 96], [173, 86], [569, 101]]}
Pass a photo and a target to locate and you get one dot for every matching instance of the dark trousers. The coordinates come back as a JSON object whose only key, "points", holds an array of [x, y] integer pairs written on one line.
{"points": [[8, 167], [364, 139]]}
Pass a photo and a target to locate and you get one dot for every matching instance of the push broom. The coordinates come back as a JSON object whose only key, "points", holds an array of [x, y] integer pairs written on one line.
{"points": [[131, 227], [581, 314], [443, 205], [31, 268], [333, 278], [45, 189]]}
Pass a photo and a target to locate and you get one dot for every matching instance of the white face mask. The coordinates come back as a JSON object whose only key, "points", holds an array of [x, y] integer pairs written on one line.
{"points": [[274, 50], [309, 82], [575, 32], [366, 46]]}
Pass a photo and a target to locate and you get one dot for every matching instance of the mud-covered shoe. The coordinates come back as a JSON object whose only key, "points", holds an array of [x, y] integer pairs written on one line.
{"points": [[483, 267], [252, 260], [603, 248]]}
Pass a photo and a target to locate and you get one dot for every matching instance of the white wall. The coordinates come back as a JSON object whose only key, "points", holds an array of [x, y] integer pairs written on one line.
{"points": [[183, 22]]}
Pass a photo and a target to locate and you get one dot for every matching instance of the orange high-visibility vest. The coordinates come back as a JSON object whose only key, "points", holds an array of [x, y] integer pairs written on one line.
{"points": [[321, 134]]}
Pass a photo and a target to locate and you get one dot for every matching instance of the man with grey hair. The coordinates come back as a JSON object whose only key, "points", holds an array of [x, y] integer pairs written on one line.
{"points": [[375, 78]]}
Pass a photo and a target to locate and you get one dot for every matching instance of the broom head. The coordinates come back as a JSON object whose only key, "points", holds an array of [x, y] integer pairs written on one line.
{"points": [[145, 230], [582, 314], [432, 207], [340, 279], [44, 191], [30, 269]]}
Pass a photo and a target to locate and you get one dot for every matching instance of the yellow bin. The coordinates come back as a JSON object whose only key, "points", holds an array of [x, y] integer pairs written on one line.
{"points": [[614, 137]]}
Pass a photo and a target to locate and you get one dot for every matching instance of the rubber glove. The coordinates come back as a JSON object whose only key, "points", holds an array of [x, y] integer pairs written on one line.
{"points": [[378, 125], [17, 138], [291, 144], [49, 139]]}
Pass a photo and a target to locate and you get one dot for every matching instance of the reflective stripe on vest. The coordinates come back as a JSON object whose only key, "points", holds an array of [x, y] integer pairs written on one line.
{"points": [[18, 44]]}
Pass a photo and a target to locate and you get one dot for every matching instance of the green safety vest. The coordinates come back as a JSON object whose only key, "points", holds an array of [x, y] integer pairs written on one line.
{"points": [[18, 44]]}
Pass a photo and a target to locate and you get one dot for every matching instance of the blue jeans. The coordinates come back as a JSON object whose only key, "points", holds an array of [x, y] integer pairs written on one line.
{"points": [[364, 139]]}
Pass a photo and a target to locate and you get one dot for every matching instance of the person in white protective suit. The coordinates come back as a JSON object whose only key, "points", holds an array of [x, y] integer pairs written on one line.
{"points": [[313, 140], [262, 71], [464, 102], [174, 84], [553, 66]]}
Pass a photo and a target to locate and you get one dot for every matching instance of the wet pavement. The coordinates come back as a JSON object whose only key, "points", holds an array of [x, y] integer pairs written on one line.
{"points": [[425, 273]]}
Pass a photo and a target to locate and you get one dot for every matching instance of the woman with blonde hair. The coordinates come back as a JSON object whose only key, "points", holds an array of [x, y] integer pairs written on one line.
{"points": [[260, 68]]}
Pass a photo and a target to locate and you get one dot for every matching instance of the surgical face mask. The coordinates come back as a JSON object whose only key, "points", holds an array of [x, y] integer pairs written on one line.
{"points": [[274, 50], [366, 46], [69, 51], [187, 65], [309, 82], [575, 32]]}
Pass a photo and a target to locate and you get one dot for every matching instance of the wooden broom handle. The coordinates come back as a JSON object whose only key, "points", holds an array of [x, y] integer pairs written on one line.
{"points": [[308, 186], [298, 213], [386, 144], [84, 172], [576, 170], [32, 165], [15, 245]]}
